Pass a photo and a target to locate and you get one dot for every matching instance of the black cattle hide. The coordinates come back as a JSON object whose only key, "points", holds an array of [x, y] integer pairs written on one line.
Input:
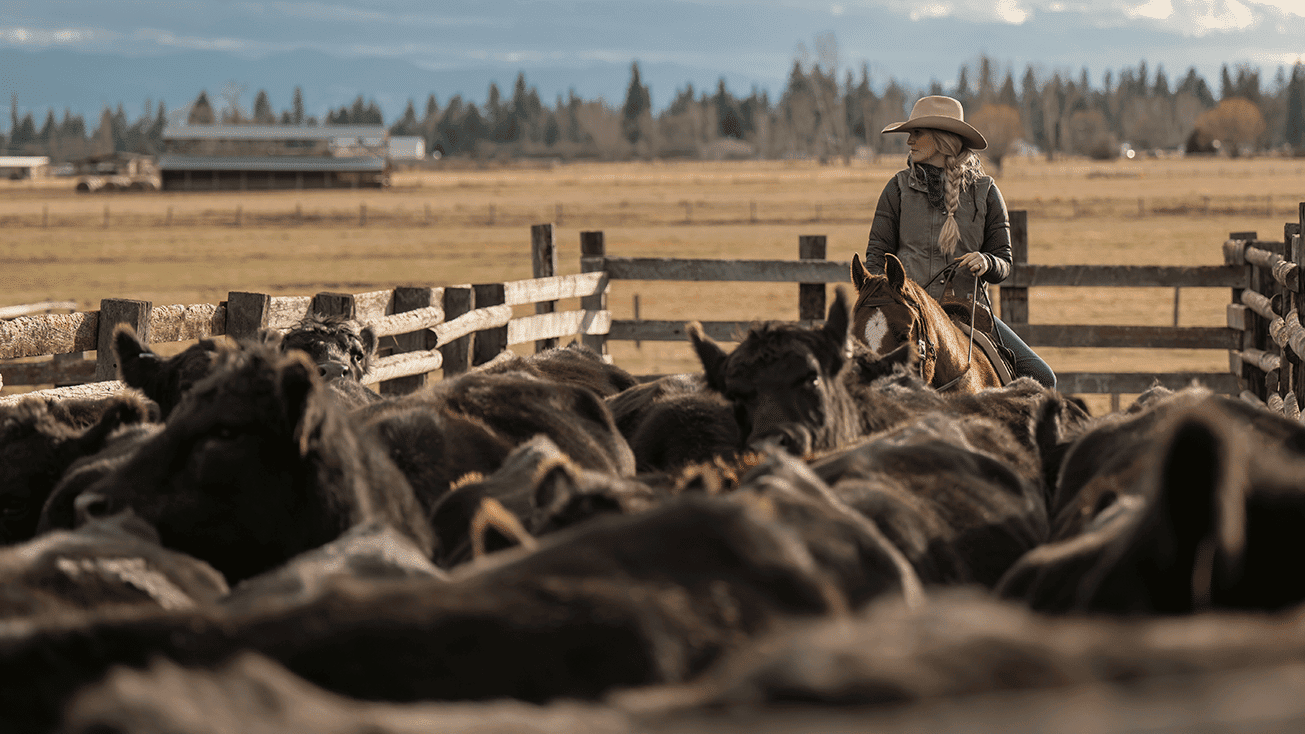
{"points": [[370, 550], [106, 563], [252, 694], [544, 490], [434, 448], [40, 439], [255, 466], [946, 654], [674, 421], [1200, 503], [516, 407], [655, 597], [956, 494], [574, 364]]}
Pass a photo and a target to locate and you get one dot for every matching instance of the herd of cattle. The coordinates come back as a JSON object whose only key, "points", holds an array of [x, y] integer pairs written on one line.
{"points": [[801, 536]]}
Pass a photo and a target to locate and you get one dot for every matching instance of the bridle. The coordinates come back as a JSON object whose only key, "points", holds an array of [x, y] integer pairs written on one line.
{"points": [[927, 346]]}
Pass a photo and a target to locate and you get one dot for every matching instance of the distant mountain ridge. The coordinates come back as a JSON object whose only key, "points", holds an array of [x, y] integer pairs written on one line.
{"points": [[87, 83]]}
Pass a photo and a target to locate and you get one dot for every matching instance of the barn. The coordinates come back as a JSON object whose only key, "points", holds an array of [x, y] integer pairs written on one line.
{"points": [[264, 157]]}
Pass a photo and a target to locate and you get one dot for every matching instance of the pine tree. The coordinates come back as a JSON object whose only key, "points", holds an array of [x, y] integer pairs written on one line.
{"points": [[201, 111], [637, 107], [1294, 126], [102, 139], [263, 112], [297, 108]]}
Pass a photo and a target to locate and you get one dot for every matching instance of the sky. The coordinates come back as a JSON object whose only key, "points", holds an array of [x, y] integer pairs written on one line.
{"points": [[459, 44]]}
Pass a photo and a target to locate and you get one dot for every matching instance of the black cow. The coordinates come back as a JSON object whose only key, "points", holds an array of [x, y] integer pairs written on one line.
{"points": [[1194, 501], [675, 420], [40, 439], [255, 466], [958, 495], [624, 600], [517, 406], [543, 490], [574, 364], [785, 382], [110, 563], [163, 380], [338, 345]]}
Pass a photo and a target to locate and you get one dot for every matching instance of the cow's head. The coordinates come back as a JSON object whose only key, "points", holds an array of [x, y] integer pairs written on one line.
{"points": [[339, 346], [785, 381]]}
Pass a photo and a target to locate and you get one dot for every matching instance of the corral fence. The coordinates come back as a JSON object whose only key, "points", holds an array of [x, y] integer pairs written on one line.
{"points": [[450, 328], [699, 212], [1266, 313]]}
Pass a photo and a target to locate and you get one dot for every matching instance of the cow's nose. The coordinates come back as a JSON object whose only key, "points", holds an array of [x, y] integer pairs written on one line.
{"points": [[332, 370], [89, 506]]}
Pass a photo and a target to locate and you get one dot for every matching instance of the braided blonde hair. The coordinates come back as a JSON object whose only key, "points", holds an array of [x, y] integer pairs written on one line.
{"points": [[961, 167]]}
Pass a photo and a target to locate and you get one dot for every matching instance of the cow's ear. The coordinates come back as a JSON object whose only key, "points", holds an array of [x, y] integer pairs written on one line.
{"points": [[711, 356], [839, 319], [137, 363], [1202, 494], [369, 340], [895, 272], [269, 337], [860, 274], [297, 379]]}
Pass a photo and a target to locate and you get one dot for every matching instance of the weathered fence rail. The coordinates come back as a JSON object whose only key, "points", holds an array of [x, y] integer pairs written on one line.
{"points": [[450, 328], [1266, 315]]}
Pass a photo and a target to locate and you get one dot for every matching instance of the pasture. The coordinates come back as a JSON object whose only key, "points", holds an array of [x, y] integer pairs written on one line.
{"points": [[465, 225]]}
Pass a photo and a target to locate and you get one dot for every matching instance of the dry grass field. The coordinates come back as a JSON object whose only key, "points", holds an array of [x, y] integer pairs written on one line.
{"points": [[472, 225]]}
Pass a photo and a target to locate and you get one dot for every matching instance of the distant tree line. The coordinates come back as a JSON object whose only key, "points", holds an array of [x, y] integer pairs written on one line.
{"points": [[818, 115]]}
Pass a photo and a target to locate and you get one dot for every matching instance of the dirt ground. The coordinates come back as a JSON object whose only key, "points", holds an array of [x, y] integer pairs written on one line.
{"points": [[445, 227]]}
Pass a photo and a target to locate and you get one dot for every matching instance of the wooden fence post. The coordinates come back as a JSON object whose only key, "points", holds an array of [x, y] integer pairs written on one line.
{"points": [[488, 344], [411, 299], [1015, 300], [114, 311], [334, 304], [592, 252], [1296, 301], [543, 262], [1252, 377], [246, 314], [457, 353], [811, 296]]}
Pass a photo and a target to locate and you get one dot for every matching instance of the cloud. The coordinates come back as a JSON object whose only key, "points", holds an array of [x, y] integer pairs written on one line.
{"points": [[41, 37]]}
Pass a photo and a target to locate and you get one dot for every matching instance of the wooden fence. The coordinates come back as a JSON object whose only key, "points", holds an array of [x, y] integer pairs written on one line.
{"points": [[432, 328], [812, 270], [473, 323], [1266, 315]]}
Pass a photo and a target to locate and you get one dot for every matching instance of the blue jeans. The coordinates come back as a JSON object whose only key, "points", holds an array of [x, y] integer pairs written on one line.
{"points": [[1027, 363]]}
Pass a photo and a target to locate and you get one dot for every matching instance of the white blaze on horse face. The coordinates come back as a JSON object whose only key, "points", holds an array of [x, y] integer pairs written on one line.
{"points": [[876, 328]]}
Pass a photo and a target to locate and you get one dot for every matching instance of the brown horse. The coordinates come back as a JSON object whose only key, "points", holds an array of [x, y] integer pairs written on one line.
{"points": [[892, 309]]}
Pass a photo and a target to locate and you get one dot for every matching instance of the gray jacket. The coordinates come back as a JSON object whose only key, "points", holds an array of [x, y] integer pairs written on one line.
{"points": [[907, 225]]}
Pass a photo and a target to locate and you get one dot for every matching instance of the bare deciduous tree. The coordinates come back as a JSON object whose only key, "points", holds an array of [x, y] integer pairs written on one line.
{"points": [[1001, 127]]}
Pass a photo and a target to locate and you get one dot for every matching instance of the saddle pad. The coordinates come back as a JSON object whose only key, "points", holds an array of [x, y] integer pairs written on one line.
{"points": [[994, 355]]}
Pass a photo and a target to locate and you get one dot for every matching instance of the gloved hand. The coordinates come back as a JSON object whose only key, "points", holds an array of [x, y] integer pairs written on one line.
{"points": [[975, 261]]}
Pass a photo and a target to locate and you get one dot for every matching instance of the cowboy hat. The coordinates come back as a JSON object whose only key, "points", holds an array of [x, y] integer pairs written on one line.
{"points": [[940, 113]]}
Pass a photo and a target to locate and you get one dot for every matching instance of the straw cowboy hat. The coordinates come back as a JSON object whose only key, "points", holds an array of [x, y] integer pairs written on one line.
{"points": [[940, 113]]}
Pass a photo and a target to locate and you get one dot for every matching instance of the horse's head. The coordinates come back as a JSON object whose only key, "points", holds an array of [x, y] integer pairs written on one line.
{"points": [[887, 313]]}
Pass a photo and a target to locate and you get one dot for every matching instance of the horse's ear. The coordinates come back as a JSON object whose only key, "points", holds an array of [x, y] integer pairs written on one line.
{"points": [[711, 356], [839, 319], [859, 272], [895, 272]]}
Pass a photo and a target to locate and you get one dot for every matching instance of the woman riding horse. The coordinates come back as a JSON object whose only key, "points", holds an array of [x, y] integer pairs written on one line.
{"points": [[942, 208]]}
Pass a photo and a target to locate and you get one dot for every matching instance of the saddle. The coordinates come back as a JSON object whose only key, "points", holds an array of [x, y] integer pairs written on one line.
{"points": [[958, 309]]}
